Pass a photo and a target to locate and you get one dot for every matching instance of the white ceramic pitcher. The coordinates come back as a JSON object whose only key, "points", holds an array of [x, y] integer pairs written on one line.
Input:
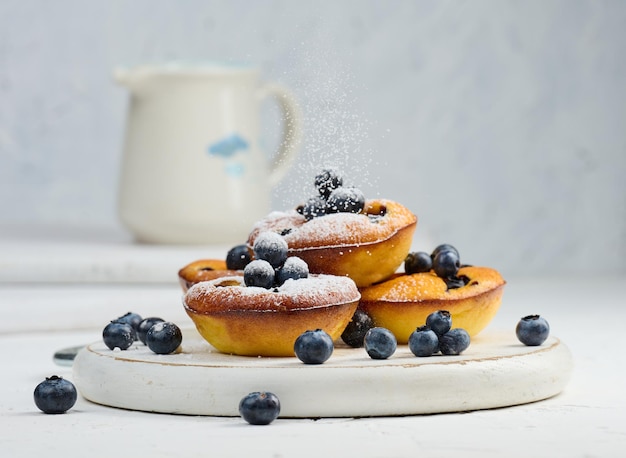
{"points": [[192, 170]]}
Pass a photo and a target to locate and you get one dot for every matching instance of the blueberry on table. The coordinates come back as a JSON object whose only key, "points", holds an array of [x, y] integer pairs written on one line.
{"points": [[238, 257], [532, 330], [345, 200], [355, 331], [145, 326], [118, 334], [259, 273], [55, 395], [440, 322], [446, 264], [294, 268], [313, 347], [423, 342], [164, 338], [380, 343], [131, 318], [454, 342], [327, 181], [259, 408], [417, 262], [271, 247]]}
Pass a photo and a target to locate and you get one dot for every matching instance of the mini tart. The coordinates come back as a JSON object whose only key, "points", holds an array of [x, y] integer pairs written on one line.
{"points": [[204, 270], [402, 303], [368, 247], [252, 321]]}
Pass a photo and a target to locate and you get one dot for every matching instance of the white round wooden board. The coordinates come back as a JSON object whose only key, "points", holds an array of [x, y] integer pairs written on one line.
{"points": [[495, 371]]}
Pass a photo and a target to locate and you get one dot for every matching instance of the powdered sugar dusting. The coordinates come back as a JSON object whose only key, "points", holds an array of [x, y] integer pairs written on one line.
{"points": [[230, 293], [336, 130], [336, 229]]}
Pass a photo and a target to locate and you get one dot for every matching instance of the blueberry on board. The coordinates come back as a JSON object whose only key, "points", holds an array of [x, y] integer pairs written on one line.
{"points": [[271, 247], [345, 200], [355, 331], [259, 408], [145, 326], [238, 257], [313, 207], [417, 262], [423, 342], [446, 264], [164, 338], [454, 342], [131, 318], [444, 247], [55, 395], [294, 268], [259, 273], [440, 322], [313, 347], [118, 334], [380, 343], [327, 181], [532, 330]]}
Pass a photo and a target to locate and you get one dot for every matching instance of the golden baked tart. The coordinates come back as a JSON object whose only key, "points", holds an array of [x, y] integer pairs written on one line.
{"points": [[204, 270], [367, 246], [256, 321], [402, 303]]}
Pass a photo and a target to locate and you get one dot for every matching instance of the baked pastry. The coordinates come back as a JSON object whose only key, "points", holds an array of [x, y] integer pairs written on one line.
{"points": [[254, 321], [367, 246], [204, 270], [402, 303]]}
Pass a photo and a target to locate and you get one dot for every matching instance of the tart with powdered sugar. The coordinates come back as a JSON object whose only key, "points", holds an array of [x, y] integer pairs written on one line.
{"points": [[255, 321], [368, 246]]}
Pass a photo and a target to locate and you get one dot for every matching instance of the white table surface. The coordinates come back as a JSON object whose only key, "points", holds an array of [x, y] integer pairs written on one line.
{"points": [[38, 317]]}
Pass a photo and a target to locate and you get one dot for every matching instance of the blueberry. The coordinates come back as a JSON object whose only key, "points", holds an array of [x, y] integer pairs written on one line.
{"points": [[423, 342], [259, 408], [380, 343], [356, 329], [313, 207], [238, 257], [444, 247], [454, 342], [455, 282], [164, 338], [118, 334], [440, 322], [270, 247], [327, 181], [313, 347], [446, 264], [345, 200], [532, 330], [145, 326], [294, 268], [131, 318], [416, 262], [55, 395], [259, 273]]}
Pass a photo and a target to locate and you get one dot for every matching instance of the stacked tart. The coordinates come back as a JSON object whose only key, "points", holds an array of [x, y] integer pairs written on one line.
{"points": [[315, 266]]}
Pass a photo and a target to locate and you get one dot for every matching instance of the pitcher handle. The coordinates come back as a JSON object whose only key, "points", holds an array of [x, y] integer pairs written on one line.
{"points": [[291, 133]]}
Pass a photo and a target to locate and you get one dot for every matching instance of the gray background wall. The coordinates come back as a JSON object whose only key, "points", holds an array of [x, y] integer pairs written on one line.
{"points": [[500, 123]]}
